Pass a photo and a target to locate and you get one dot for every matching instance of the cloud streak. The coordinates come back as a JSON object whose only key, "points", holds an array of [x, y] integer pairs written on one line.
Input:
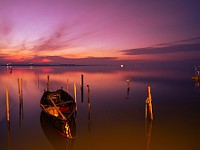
{"points": [[165, 48], [61, 38]]}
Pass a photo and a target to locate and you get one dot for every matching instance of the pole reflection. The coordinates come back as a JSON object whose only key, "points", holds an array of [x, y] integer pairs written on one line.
{"points": [[89, 110], [128, 88], [197, 83], [20, 92], [148, 133], [21, 112], [9, 136]]}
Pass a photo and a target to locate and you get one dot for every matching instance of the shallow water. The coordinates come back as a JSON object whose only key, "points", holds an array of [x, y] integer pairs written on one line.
{"points": [[116, 119]]}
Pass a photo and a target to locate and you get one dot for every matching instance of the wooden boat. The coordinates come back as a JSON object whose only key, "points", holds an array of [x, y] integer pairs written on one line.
{"points": [[196, 76], [59, 106]]}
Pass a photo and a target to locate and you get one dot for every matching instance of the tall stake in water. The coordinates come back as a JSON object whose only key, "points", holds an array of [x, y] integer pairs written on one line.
{"points": [[8, 116], [19, 88], [75, 96], [148, 110], [7, 106], [82, 88], [67, 88], [149, 106], [47, 82], [20, 91]]}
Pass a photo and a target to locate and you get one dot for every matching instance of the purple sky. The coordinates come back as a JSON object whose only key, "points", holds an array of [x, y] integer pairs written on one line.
{"points": [[36, 30]]}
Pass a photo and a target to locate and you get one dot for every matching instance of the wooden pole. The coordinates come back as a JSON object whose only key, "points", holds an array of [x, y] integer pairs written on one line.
{"points": [[8, 117], [19, 89], [149, 92], [43, 107], [75, 96], [145, 110], [61, 114], [47, 82], [149, 101], [88, 93], [82, 79], [82, 88], [75, 92], [7, 105], [67, 88]]}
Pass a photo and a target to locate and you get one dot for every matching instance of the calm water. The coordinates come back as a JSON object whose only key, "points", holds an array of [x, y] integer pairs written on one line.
{"points": [[116, 118]]}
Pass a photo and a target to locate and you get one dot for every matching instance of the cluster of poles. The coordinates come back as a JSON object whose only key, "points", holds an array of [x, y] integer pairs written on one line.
{"points": [[75, 97], [20, 92], [75, 93], [8, 106], [148, 104]]}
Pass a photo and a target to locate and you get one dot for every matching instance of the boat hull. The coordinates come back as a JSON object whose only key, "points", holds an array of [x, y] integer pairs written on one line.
{"points": [[61, 112]]}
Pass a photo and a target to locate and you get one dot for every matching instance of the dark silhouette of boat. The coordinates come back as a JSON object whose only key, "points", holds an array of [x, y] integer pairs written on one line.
{"points": [[59, 107]]}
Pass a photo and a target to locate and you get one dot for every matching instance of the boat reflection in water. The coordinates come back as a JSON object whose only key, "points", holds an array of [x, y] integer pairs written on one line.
{"points": [[58, 141], [197, 83]]}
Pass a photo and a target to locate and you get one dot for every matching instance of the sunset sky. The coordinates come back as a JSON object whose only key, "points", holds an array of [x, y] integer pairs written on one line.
{"points": [[67, 31]]}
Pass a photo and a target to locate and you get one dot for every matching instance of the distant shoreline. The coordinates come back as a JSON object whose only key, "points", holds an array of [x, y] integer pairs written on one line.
{"points": [[51, 65]]}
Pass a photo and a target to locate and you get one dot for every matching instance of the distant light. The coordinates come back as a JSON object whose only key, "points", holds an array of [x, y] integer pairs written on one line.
{"points": [[122, 66]]}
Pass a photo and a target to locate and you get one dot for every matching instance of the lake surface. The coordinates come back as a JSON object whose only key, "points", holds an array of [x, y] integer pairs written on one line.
{"points": [[116, 119]]}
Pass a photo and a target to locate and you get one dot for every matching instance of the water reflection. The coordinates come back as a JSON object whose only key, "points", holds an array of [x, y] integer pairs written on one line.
{"points": [[56, 139], [197, 83], [9, 136], [21, 112], [89, 110], [148, 127], [128, 88], [116, 123], [10, 70]]}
